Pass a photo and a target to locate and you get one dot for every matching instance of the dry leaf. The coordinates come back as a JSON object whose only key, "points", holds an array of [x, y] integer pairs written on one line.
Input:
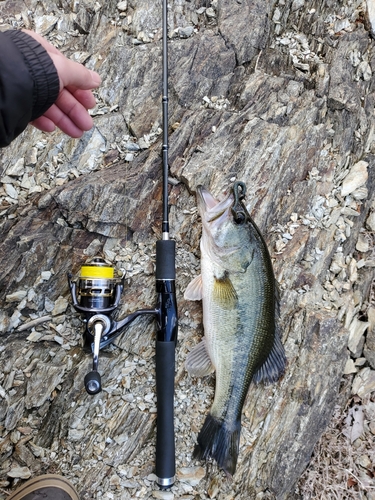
{"points": [[354, 423], [351, 482]]}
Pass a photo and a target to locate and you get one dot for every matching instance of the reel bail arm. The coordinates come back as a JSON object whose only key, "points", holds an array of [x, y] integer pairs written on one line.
{"points": [[92, 380]]}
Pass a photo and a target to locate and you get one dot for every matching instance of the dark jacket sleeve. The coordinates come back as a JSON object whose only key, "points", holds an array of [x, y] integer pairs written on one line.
{"points": [[29, 83]]}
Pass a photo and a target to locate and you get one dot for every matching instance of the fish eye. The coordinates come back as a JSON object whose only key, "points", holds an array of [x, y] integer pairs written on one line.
{"points": [[239, 218]]}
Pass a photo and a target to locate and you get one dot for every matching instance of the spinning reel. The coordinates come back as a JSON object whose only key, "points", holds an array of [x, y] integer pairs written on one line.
{"points": [[96, 293]]}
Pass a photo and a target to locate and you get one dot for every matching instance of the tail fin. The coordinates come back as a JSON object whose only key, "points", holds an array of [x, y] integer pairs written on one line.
{"points": [[219, 441]]}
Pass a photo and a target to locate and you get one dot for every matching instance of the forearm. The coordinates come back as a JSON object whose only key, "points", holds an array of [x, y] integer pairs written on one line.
{"points": [[29, 83]]}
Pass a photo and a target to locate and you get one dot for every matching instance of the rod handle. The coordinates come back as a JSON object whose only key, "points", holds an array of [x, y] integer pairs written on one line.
{"points": [[165, 439]]}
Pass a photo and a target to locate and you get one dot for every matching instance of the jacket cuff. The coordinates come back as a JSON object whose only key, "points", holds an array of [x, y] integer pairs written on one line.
{"points": [[42, 70]]}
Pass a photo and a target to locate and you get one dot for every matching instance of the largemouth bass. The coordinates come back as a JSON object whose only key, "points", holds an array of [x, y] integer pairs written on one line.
{"points": [[240, 312]]}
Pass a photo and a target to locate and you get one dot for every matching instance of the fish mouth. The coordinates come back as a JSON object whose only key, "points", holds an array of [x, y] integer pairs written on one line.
{"points": [[211, 209], [215, 215]]}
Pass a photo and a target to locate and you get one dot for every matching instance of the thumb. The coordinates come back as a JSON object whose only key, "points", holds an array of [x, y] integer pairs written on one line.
{"points": [[74, 74]]}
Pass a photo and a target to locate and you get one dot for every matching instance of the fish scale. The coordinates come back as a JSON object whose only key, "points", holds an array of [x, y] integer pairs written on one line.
{"points": [[240, 311]]}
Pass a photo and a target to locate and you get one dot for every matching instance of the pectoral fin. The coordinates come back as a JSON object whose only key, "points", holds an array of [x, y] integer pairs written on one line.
{"points": [[198, 362], [194, 289], [224, 293]]}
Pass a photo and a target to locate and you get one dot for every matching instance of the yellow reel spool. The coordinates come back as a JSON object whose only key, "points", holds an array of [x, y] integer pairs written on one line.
{"points": [[101, 272]]}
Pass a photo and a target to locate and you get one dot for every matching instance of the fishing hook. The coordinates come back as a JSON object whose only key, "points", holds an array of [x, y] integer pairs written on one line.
{"points": [[238, 210]]}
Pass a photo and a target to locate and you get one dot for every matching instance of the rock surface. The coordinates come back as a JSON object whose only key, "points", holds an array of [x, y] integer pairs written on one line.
{"points": [[287, 107]]}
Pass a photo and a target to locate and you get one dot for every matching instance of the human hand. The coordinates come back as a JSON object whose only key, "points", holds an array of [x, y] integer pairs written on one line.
{"points": [[69, 113]]}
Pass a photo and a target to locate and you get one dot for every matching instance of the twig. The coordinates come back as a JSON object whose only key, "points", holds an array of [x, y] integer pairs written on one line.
{"points": [[34, 322], [256, 63]]}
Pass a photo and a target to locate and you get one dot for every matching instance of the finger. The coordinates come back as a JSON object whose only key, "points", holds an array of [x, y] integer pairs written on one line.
{"points": [[69, 115], [43, 123], [74, 74], [72, 108], [85, 97], [63, 122]]}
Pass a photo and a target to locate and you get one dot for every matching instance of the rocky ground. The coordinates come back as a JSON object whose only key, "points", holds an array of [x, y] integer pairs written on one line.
{"points": [[47, 422]]}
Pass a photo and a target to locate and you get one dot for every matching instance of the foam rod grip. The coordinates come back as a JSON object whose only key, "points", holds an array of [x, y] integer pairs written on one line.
{"points": [[165, 440], [165, 260]]}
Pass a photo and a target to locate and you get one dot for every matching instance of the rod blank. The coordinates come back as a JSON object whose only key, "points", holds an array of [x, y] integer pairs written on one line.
{"points": [[165, 147]]}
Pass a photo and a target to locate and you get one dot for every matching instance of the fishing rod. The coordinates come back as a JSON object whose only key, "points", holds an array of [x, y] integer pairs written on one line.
{"points": [[96, 293], [166, 337]]}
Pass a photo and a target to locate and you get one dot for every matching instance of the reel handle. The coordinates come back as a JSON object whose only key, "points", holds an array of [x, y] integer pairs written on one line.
{"points": [[97, 325]]}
